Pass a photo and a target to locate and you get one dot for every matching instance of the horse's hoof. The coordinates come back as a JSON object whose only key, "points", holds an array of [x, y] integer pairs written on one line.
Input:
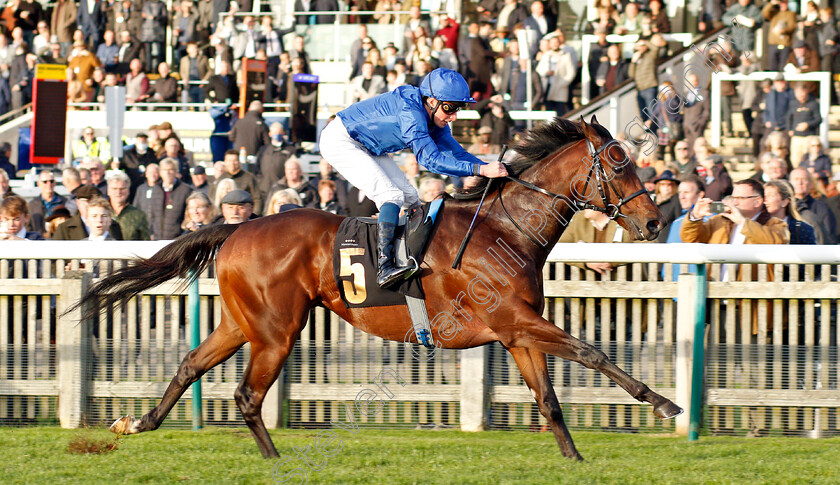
{"points": [[667, 410], [124, 425]]}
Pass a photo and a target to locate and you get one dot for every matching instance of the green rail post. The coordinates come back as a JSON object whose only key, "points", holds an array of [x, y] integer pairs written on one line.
{"points": [[195, 339], [697, 357]]}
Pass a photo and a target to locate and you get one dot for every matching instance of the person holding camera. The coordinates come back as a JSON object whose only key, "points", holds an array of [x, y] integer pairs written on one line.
{"points": [[738, 219]]}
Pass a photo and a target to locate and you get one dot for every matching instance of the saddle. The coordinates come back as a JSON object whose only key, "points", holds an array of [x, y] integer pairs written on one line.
{"points": [[355, 263]]}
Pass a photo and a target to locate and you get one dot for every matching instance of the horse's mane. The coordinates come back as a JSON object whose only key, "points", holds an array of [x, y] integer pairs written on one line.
{"points": [[532, 147]]}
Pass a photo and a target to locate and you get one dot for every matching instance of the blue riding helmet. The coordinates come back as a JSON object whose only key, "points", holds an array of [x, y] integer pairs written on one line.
{"points": [[446, 85]]}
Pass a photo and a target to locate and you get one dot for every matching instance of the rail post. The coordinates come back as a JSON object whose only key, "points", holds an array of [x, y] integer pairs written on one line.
{"points": [[73, 352], [195, 339]]}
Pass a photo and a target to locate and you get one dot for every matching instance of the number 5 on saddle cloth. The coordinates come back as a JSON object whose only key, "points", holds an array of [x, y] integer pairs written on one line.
{"points": [[354, 264]]}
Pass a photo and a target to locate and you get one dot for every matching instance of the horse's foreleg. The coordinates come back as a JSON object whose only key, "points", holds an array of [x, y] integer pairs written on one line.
{"points": [[534, 369], [534, 332], [219, 346], [263, 369]]}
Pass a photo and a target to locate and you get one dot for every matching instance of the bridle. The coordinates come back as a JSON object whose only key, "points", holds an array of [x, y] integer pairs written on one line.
{"points": [[604, 185]]}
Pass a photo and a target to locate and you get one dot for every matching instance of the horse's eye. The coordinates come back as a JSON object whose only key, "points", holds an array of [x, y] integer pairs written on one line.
{"points": [[618, 168]]}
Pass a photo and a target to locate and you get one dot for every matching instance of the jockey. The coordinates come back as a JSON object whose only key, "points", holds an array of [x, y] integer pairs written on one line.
{"points": [[357, 143]]}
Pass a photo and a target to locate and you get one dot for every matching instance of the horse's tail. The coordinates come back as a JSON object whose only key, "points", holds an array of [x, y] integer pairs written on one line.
{"points": [[187, 257]]}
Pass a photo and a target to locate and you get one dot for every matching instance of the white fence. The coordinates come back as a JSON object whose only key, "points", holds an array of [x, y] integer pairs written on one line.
{"points": [[771, 347]]}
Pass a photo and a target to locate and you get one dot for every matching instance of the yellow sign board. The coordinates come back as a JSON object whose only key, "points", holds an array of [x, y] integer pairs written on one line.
{"points": [[51, 71]]}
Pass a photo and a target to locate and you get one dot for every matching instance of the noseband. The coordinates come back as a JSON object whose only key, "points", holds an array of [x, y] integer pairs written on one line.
{"points": [[603, 183]]}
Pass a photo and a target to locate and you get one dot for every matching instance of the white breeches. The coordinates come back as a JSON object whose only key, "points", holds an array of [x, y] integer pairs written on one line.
{"points": [[379, 178]]}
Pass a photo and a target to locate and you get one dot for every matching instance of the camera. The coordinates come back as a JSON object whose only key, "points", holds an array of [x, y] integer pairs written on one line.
{"points": [[717, 208]]}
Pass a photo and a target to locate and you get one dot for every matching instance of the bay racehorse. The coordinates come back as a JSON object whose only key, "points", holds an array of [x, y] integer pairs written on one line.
{"points": [[273, 270]]}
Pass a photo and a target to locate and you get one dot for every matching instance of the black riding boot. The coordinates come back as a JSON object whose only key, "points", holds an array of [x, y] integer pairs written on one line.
{"points": [[389, 273]]}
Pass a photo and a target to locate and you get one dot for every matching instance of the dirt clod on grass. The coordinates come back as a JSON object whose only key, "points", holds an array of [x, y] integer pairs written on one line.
{"points": [[83, 445]]}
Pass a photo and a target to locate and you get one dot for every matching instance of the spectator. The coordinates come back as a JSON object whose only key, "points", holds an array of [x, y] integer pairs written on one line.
{"points": [[659, 22], [445, 56], [14, 219], [359, 51], [200, 212], [711, 171], [222, 88], [83, 64], [772, 168], [536, 26], [59, 215], [483, 145], [803, 187], [91, 20], [63, 22], [512, 13], [97, 174], [477, 60], [130, 49], [682, 158], [245, 42], [431, 188], [164, 89], [108, 51], [326, 172], [183, 29], [154, 31], [803, 122], [299, 52], [283, 200], [557, 72], [631, 21], [802, 59], [270, 159], [221, 53], [99, 220], [412, 170], [127, 18], [5, 190], [293, 179], [780, 203], [84, 176], [243, 179], [198, 175], [75, 89], [222, 187], [749, 21], [133, 223], [271, 40], [77, 228], [136, 158], [251, 131], [815, 160], [613, 72], [237, 207], [777, 105], [136, 82], [71, 180], [328, 202], [597, 57], [53, 55], [667, 201], [194, 68], [594, 227], [744, 222], [5, 163], [667, 120], [748, 91], [782, 26], [173, 149], [168, 203], [495, 116], [643, 71], [415, 20], [358, 205], [41, 42], [828, 40], [385, 6], [367, 84], [42, 206], [690, 190]]}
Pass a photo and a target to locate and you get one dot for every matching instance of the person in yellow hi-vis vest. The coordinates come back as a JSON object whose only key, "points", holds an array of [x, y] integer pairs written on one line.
{"points": [[90, 147]]}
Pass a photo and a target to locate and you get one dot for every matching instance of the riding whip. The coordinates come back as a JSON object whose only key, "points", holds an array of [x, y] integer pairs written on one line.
{"points": [[463, 247]]}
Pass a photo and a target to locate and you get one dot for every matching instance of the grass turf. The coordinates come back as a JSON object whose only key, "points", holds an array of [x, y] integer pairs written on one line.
{"points": [[39, 455]]}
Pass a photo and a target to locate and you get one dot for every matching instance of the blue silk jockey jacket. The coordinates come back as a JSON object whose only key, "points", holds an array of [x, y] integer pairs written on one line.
{"points": [[398, 120]]}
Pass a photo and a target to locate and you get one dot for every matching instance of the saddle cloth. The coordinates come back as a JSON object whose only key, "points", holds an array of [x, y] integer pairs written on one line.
{"points": [[355, 258]]}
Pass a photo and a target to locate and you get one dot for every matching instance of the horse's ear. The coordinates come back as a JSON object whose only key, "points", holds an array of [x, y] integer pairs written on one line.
{"points": [[589, 132], [594, 121]]}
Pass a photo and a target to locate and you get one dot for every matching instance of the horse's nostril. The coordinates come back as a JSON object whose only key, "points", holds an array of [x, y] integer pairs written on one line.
{"points": [[653, 226]]}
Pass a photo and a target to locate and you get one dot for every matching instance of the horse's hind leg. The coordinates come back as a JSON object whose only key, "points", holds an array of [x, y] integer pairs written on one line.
{"points": [[534, 369], [534, 332], [223, 342], [267, 360]]}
